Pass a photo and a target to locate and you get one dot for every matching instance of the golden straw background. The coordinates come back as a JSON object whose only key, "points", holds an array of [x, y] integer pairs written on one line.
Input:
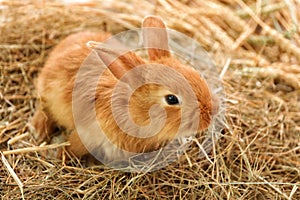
{"points": [[256, 47]]}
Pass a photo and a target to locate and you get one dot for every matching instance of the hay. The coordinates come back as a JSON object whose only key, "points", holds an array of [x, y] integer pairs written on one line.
{"points": [[258, 156]]}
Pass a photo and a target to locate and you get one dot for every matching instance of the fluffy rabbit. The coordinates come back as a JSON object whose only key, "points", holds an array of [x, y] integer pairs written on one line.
{"points": [[56, 83]]}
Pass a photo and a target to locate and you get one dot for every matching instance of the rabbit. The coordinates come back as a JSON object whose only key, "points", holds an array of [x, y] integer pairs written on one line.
{"points": [[57, 79]]}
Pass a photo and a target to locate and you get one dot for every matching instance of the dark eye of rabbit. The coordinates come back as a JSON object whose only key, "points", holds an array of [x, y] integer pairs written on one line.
{"points": [[172, 99]]}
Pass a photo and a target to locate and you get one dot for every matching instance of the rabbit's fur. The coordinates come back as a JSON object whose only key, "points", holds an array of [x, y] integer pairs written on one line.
{"points": [[57, 78]]}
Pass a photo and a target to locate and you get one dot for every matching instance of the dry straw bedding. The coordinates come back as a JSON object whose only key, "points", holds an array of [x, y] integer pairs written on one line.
{"points": [[256, 47]]}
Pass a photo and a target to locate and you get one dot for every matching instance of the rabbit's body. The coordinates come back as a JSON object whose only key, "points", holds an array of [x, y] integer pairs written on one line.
{"points": [[56, 83]]}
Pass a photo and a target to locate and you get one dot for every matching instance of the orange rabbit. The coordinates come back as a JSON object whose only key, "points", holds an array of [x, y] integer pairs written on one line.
{"points": [[181, 116]]}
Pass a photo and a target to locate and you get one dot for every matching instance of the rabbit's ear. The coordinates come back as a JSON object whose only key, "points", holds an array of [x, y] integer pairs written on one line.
{"points": [[118, 61], [155, 37]]}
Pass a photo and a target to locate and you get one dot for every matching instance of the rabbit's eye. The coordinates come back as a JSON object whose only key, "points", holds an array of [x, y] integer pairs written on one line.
{"points": [[171, 99]]}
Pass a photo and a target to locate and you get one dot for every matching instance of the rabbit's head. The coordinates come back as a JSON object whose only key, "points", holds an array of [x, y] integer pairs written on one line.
{"points": [[159, 99]]}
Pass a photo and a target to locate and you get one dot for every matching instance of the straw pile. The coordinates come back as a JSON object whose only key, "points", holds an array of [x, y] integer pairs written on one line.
{"points": [[256, 46]]}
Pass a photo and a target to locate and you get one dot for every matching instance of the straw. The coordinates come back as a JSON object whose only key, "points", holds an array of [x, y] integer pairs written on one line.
{"points": [[256, 48]]}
